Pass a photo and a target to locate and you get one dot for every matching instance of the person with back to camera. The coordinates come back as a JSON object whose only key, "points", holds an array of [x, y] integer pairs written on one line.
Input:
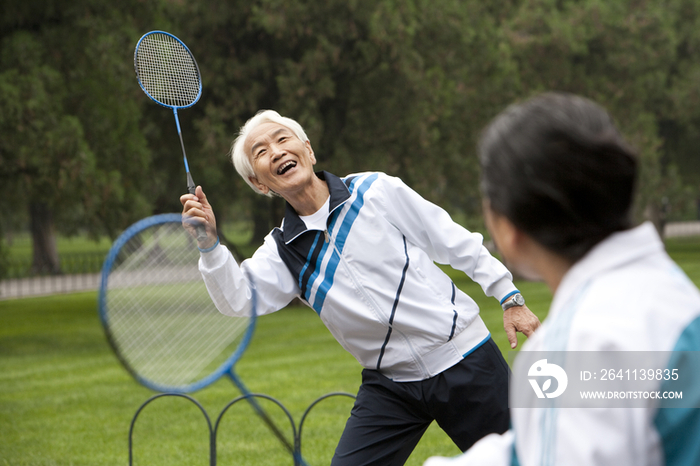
{"points": [[558, 183], [361, 252]]}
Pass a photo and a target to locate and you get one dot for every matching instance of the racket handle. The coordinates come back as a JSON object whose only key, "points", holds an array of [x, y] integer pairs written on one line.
{"points": [[200, 229], [201, 232]]}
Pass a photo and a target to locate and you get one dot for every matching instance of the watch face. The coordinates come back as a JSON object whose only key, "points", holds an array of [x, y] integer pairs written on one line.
{"points": [[519, 300]]}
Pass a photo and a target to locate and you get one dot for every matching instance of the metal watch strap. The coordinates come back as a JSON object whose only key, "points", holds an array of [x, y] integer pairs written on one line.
{"points": [[515, 300]]}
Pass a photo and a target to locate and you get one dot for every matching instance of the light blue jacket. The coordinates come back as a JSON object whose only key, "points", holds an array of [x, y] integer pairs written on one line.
{"points": [[625, 295]]}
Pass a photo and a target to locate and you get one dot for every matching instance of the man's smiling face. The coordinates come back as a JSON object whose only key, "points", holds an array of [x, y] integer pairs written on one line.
{"points": [[281, 161]]}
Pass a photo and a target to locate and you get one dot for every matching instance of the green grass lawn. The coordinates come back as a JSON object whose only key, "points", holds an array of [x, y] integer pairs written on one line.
{"points": [[66, 400]]}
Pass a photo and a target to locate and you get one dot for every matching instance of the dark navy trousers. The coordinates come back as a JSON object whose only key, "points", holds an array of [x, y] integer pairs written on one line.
{"points": [[468, 401]]}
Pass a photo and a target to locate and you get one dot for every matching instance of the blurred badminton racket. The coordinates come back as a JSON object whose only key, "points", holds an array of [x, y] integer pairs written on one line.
{"points": [[160, 320]]}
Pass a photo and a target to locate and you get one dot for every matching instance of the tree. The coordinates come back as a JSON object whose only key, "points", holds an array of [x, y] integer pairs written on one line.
{"points": [[679, 126], [402, 86], [624, 55], [71, 152], [44, 147]]}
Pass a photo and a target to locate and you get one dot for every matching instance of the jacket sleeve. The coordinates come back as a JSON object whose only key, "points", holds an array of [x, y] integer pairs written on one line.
{"points": [[431, 228], [231, 286]]}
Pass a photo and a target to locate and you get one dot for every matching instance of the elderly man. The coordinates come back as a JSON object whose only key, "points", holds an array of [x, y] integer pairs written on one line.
{"points": [[361, 251]]}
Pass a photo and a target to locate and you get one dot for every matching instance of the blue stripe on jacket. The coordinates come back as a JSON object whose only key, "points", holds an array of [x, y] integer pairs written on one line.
{"points": [[304, 253], [679, 428], [340, 238]]}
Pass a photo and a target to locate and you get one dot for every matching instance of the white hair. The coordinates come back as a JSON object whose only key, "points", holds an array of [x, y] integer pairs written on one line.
{"points": [[241, 160]]}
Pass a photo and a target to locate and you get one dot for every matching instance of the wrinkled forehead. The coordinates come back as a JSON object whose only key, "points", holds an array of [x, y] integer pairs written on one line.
{"points": [[264, 133]]}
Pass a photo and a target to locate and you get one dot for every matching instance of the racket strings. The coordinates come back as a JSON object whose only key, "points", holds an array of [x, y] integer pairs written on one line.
{"points": [[161, 317], [167, 71], [173, 355]]}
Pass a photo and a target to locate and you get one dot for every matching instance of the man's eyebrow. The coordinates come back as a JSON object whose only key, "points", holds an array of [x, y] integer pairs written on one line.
{"points": [[273, 135]]}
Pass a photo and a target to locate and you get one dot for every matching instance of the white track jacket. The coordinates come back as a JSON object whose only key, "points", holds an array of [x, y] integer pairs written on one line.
{"points": [[625, 295], [371, 277]]}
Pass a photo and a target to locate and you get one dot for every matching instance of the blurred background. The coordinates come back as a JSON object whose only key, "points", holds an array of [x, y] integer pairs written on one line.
{"points": [[401, 86]]}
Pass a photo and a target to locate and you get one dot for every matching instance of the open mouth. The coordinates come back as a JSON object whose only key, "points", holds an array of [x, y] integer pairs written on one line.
{"points": [[285, 167]]}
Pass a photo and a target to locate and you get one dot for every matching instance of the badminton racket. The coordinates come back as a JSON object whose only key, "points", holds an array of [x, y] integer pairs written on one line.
{"points": [[160, 319], [168, 73]]}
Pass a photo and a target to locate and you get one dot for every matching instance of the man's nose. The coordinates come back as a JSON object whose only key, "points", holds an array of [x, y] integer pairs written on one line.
{"points": [[277, 151]]}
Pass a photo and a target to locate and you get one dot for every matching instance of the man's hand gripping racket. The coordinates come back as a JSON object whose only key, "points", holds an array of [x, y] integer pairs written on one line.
{"points": [[196, 205]]}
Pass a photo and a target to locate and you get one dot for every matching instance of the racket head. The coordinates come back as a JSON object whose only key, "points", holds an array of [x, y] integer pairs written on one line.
{"points": [[167, 71], [157, 314]]}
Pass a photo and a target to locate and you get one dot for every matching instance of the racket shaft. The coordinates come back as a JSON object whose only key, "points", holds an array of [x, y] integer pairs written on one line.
{"points": [[261, 412], [200, 229]]}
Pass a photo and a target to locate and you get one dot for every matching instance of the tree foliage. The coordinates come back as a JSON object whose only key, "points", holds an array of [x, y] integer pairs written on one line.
{"points": [[379, 85], [635, 57], [71, 148], [402, 86]]}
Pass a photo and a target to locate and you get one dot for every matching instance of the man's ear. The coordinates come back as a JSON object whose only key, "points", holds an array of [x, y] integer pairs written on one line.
{"points": [[261, 187], [312, 156]]}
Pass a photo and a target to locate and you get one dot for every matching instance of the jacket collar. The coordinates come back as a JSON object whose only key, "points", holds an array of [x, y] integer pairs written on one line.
{"points": [[293, 226], [617, 250]]}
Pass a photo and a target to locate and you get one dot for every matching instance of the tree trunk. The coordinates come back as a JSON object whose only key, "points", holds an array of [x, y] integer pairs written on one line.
{"points": [[261, 219], [656, 213], [45, 254], [267, 214]]}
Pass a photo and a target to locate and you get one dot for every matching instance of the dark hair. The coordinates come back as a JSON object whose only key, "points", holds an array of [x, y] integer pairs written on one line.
{"points": [[558, 168]]}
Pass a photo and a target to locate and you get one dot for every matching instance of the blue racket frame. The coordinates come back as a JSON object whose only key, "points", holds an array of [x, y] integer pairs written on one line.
{"points": [[138, 77], [226, 368]]}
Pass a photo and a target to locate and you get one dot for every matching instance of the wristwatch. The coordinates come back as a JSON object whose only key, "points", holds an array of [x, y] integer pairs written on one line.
{"points": [[515, 300]]}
